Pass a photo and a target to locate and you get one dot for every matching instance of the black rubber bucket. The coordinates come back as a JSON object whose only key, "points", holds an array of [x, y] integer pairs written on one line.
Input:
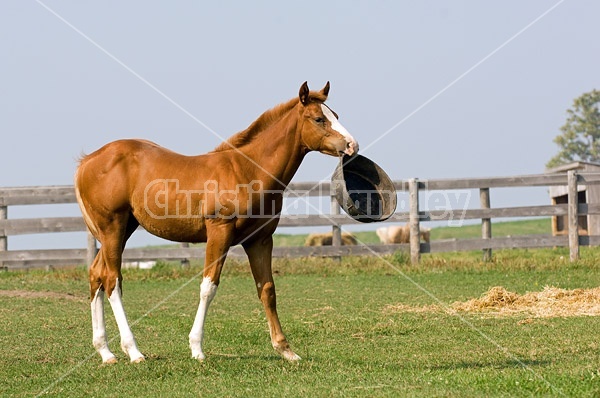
{"points": [[363, 189]]}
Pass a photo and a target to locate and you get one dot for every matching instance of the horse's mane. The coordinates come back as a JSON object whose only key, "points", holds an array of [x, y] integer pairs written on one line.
{"points": [[265, 120]]}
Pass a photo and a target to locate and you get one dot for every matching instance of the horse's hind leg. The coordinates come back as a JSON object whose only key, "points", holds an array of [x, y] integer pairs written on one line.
{"points": [[106, 275], [260, 256], [97, 307], [128, 344]]}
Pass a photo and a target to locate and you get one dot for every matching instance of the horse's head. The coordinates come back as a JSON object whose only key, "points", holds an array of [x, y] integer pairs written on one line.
{"points": [[321, 130]]}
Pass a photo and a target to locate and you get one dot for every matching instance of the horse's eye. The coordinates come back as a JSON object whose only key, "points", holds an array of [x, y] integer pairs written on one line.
{"points": [[320, 120]]}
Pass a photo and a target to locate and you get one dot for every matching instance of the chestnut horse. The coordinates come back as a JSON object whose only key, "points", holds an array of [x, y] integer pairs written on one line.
{"points": [[232, 195]]}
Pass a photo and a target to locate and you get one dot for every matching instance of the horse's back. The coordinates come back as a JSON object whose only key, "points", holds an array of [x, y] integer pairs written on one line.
{"points": [[118, 151], [110, 164], [107, 177], [137, 177]]}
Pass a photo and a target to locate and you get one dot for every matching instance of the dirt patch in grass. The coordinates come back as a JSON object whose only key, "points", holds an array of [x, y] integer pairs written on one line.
{"points": [[550, 302], [393, 308], [28, 294]]}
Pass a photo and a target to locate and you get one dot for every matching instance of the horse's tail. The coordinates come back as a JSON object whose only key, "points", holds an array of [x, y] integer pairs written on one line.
{"points": [[86, 217]]}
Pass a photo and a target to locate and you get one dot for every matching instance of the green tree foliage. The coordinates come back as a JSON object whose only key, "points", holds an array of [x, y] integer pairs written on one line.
{"points": [[580, 138]]}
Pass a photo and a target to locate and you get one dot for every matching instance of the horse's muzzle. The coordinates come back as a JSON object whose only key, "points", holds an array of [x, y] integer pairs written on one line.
{"points": [[351, 147]]}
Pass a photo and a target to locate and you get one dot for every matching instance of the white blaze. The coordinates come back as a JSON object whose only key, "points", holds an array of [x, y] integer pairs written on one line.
{"points": [[337, 126]]}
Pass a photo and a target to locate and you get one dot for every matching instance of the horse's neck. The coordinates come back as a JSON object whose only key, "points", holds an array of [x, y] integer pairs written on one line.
{"points": [[276, 150]]}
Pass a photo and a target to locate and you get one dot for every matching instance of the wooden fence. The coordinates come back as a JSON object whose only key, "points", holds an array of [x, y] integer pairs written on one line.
{"points": [[414, 216]]}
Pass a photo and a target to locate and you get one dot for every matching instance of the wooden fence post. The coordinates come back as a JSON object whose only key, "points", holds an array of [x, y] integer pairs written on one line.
{"points": [[92, 248], [573, 218], [336, 229], [3, 239], [185, 262], [415, 231], [486, 223]]}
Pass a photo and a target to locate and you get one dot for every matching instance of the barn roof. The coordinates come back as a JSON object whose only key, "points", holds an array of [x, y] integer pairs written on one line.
{"points": [[579, 165], [556, 191]]}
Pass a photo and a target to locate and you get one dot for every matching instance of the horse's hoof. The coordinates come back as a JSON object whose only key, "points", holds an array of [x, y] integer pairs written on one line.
{"points": [[291, 356], [199, 357], [138, 360], [110, 361]]}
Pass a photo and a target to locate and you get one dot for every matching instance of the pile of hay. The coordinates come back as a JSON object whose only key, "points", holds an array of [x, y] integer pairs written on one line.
{"points": [[551, 302]]}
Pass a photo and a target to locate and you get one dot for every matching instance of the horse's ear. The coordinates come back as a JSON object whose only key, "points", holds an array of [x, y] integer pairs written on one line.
{"points": [[325, 90], [304, 91]]}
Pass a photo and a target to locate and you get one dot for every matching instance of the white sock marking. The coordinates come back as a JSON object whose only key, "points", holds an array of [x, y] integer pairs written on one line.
{"points": [[99, 327], [128, 344], [208, 290]]}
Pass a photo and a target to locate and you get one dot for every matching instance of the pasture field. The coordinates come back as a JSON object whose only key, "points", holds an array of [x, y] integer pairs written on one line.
{"points": [[536, 226], [363, 326]]}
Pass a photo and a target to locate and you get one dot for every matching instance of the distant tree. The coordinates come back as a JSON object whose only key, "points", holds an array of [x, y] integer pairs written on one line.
{"points": [[580, 138]]}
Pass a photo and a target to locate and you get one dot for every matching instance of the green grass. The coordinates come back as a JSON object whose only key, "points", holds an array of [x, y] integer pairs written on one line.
{"points": [[366, 237], [537, 226], [334, 314], [289, 239]]}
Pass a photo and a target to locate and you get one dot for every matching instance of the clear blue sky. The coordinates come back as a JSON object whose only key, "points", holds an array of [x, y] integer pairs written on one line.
{"points": [[430, 89]]}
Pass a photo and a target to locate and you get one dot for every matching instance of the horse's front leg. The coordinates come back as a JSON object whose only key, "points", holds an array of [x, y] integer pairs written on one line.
{"points": [[260, 256], [217, 245]]}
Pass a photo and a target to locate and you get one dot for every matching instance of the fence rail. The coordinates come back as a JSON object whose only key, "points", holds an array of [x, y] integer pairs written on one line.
{"points": [[19, 196]]}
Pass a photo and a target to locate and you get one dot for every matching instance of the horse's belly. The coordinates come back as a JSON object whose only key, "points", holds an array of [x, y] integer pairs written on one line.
{"points": [[178, 230]]}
